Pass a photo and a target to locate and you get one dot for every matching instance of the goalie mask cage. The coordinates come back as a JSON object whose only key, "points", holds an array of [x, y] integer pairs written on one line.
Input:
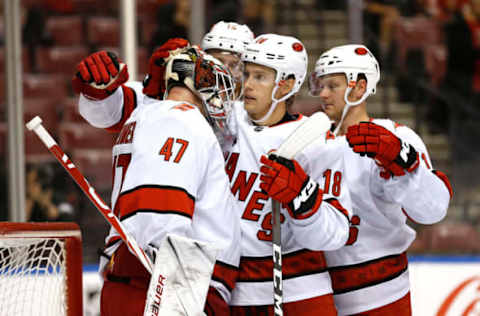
{"points": [[40, 269]]}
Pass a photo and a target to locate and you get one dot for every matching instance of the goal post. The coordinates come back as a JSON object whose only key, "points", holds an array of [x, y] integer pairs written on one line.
{"points": [[40, 269]]}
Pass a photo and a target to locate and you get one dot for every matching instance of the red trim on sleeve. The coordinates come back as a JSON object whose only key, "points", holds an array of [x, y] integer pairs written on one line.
{"points": [[445, 180], [161, 199], [225, 274], [411, 219], [129, 104], [357, 276], [338, 206], [294, 264]]}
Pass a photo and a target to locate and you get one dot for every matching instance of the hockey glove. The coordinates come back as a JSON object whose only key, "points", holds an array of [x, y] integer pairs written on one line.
{"points": [[284, 180], [99, 75], [390, 152], [154, 82]]}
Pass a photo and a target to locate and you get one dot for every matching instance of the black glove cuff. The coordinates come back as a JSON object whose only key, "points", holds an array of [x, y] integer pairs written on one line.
{"points": [[407, 156], [305, 201]]}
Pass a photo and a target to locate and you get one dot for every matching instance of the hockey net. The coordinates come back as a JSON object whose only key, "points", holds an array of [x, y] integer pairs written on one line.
{"points": [[40, 269]]}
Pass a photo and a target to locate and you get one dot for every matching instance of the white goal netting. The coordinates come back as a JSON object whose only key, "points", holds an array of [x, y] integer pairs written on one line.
{"points": [[40, 269], [32, 276]]}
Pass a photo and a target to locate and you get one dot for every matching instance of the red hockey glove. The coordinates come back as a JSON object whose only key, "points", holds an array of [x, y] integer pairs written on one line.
{"points": [[284, 180], [99, 75], [382, 145], [154, 82]]}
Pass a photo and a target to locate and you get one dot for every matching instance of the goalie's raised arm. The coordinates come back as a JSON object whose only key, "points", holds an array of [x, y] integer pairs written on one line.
{"points": [[99, 75]]}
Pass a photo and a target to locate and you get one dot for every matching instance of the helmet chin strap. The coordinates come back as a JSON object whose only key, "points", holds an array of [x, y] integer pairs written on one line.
{"points": [[348, 105], [273, 106]]}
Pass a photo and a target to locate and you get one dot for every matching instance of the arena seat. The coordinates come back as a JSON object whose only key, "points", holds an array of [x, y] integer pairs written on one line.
{"points": [[103, 31], [26, 67], [46, 108], [35, 151], [45, 86], [69, 110], [93, 6], [415, 33], [96, 166], [142, 58], [75, 136], [60, 60], [147, 28], [66, 30]]}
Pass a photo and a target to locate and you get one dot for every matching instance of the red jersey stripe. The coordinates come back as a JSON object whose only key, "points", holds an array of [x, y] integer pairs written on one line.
{"points": [[294, 264], [357, 276], [225, 274], [162, 199], [445, 180], [129, 104], [336, 204]]}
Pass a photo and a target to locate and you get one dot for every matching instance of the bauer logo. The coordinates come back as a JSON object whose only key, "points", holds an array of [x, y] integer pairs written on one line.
{"points": [[155, 305], [463, 300]]}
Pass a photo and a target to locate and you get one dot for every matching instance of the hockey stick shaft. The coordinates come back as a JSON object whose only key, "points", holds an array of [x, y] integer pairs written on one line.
{"points": [[36, 126], [311, 130]]}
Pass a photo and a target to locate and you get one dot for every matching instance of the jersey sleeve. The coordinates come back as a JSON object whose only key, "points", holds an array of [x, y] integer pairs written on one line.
{"points": [[112, 112], [424, 194], [328, 228]]}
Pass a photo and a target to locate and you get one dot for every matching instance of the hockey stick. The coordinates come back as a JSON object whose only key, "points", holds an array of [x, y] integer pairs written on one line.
{"points": [[36, 125], [309, 131]]}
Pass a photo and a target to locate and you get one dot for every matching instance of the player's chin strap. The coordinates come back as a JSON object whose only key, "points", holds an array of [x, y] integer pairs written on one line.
{"points": [[274, 104], [348, 105]]}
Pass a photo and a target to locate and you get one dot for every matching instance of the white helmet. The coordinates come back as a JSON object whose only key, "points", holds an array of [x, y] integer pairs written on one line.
{"points": [[350, 60], [210, 80], [286, 55], [229, 36]]}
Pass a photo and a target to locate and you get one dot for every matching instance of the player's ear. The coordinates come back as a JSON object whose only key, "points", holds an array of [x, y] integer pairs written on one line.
{"points": [[285, 86], [360, 88]]}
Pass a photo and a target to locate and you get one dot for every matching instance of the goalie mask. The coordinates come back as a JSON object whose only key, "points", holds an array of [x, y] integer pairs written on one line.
{"points": [[350, 60], [208, 79], [286, 55]]}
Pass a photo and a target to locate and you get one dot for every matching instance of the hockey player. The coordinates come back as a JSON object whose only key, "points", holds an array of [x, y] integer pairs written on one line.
{"points": [[226, 41], [169, 178], [275, 70], [390, 177]]}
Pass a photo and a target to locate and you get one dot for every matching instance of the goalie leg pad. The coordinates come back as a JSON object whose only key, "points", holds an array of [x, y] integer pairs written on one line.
{"points": [[181, 277]]}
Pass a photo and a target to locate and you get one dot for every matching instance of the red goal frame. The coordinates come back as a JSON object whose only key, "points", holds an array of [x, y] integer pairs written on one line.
{"points": [[71, 234]]}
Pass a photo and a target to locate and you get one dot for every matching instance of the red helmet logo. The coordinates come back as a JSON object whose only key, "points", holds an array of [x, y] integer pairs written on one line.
{"points": [[360, 51], [297, 47], [261, 40]]}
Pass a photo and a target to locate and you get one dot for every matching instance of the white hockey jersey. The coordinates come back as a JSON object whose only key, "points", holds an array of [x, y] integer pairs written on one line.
{"points": [[169, 178], [372, 271], [304, 269]]}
